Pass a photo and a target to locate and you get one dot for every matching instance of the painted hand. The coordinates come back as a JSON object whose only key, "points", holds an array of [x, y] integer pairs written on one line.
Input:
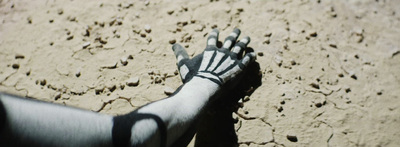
{"points": [[216, 64]]}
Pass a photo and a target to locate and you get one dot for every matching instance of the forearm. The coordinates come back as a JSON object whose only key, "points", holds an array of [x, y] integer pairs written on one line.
{"points": [[34, 123], [177, 112]]}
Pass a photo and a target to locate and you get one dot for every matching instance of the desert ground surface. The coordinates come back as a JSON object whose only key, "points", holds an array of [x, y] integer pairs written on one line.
{"points": [[330, 69]]}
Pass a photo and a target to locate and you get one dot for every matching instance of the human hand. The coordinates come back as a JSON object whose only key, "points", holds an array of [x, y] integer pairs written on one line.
{"points": [[216, 64]]}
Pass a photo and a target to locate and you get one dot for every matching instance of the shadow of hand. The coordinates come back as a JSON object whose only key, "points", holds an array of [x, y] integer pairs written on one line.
{"points": [[216, 127]]}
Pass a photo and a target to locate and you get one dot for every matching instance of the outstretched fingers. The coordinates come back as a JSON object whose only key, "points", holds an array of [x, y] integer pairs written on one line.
{"points": [[231, 39], [241, 45], [213, 38], [180, 54]]}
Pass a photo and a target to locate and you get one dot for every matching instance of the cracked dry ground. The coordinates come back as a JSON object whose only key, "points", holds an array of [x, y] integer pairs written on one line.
{"points": [[330, 69]]}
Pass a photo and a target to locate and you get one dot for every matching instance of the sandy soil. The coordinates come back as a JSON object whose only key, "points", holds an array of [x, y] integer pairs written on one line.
{"points": [[330, 69]]}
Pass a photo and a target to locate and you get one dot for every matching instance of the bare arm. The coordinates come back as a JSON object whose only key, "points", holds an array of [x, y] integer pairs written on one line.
{"points": [[161, 123]]}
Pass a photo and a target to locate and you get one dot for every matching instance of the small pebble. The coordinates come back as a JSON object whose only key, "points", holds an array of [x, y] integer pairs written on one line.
{"points": [[124, 60], [70, 37], [168, 90], [57, 95], [147, 28], [142, 35], [60, 11], [78, 73], [268, 34], [172, 41], [15, 66], [292, 138], [260, 54], [170, 12], [318, 105], [130, 57], [133, 81], [313, 34], [19, 56], [292, 62], [333, 45], [29, 20], [314, 85], [278, 60], [86, 44], [353, 75], [43, 82]]}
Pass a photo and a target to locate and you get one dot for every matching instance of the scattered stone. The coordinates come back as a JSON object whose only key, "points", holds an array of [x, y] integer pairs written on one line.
{"points": [[70, 37], [318, 105], [51, 21], [292, 62], [146, 3], [157, 79], [43, 82], [379, 93], [19, 56], [78, 73], [260, 54], [57, 95], [170, 12], [292, 138], [172, 41], [313, 34], [124, 60], [130, 57], [280, 109], [133, 81], [60, 11], [278, 60], [314, 85], [333, 45], [29, 20], [15, 66], [99, 90], [268, 34], [147, 28], [168, 90], [353, 75], [347, 90], [142, 35], [86, 44]]}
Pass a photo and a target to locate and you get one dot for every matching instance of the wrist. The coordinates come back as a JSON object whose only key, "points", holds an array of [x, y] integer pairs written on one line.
{"points": [[210, 76], [199, 87]]}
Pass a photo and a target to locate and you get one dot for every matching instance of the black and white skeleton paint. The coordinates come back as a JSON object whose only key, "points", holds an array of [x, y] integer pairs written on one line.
{"points": [[168, 122]]}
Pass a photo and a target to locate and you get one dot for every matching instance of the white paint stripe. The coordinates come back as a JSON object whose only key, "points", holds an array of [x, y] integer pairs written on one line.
{"points": [[208, 75], [227, 44], [245, 40], [183, 70], [206, 60], [212, 41], [224, 65], [246, 60], [217, 58], [180, 57], [233, 34], [231, 73], [236, 49], [214, 34]]}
